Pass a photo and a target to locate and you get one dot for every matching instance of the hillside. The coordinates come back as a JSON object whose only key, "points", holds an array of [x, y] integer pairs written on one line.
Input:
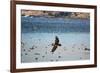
{"points": [[55, 14]]}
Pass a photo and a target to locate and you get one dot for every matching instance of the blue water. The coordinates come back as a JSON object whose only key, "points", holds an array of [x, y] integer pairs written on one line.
{"points": [[40, 32], [54, 25]]}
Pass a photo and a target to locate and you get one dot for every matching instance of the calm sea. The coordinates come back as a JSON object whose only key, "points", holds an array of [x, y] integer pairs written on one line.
{"points": [[54, 25]]}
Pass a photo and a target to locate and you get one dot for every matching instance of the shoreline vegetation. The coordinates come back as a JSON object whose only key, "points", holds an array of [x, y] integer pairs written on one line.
{"points": [[55, 14]]}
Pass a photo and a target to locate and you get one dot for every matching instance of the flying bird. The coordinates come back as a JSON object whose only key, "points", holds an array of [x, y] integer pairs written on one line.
{"points": [[56, 44]]}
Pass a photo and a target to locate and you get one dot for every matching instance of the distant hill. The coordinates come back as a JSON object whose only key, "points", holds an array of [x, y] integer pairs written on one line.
{"points": [[55, 14]]}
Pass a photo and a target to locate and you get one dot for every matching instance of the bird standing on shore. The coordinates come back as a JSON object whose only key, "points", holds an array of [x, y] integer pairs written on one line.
{"points": [[56, 44]]}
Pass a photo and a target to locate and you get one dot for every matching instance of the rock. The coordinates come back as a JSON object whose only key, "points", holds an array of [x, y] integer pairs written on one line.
{"points": [[59, 56], [51, 60], [87, 49], [56, 60], [43, 56], [24, 50], [37, 53], [32, 48], [26, 54], [36, 58], [22, 44]]}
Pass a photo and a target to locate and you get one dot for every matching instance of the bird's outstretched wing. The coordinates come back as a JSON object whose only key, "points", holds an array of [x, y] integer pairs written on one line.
{"points": [[54, 48]]}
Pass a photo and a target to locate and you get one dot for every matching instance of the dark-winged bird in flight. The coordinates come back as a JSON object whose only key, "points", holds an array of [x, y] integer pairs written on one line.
{"points": [[56, 44]]}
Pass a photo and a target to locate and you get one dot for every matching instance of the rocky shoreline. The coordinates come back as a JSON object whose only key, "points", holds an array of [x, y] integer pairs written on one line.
{"points": [[55, 14]]}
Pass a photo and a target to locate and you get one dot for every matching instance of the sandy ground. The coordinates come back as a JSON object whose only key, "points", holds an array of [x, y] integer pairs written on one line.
{"points": [[36, 47]]}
